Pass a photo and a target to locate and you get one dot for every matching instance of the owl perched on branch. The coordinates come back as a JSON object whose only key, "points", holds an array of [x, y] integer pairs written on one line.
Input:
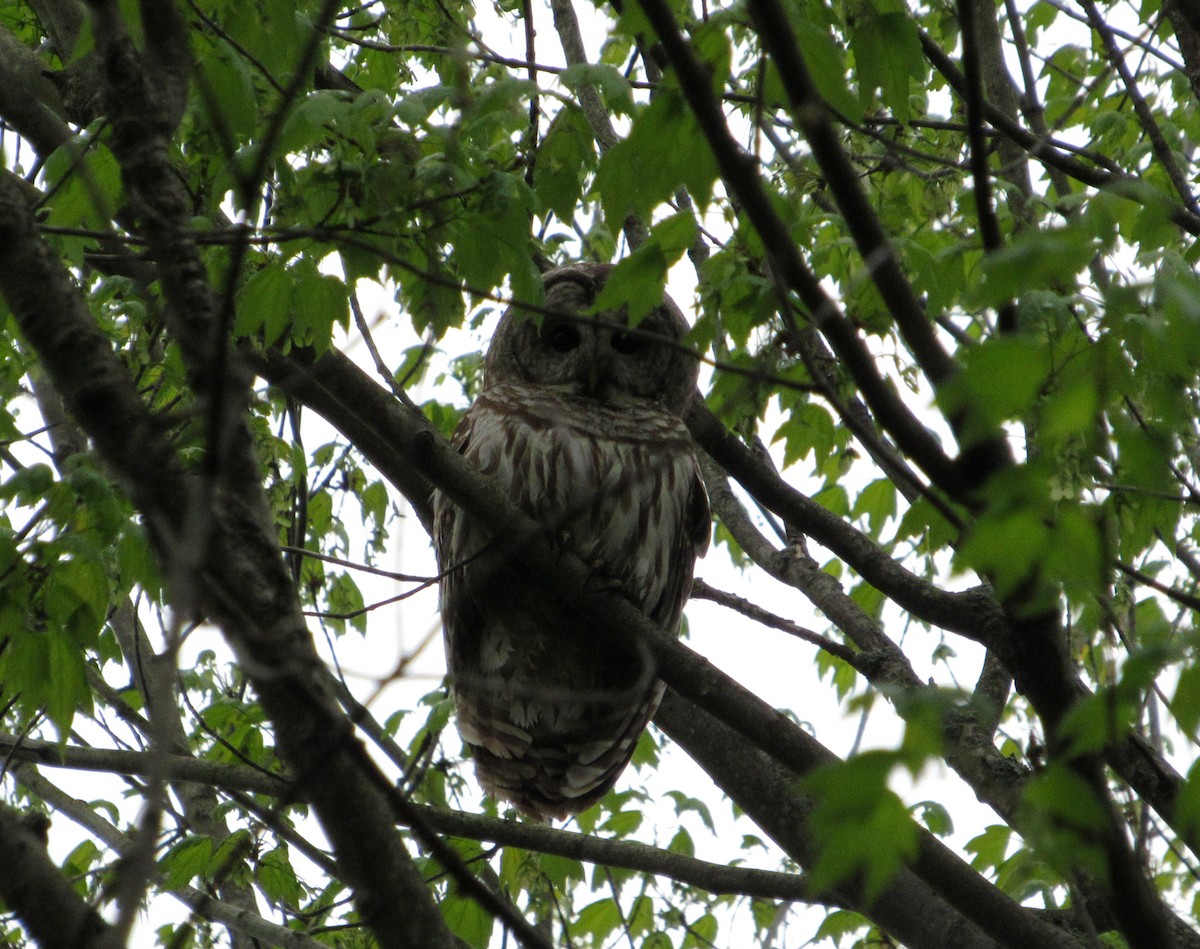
{"points": [[579, 419]]}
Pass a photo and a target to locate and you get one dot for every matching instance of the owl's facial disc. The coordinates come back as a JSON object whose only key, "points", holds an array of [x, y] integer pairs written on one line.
{"points": [[593, 356], [591, 353]]}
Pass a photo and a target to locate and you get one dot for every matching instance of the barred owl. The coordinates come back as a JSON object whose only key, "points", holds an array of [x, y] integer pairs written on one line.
{"points": [[580, 421]]}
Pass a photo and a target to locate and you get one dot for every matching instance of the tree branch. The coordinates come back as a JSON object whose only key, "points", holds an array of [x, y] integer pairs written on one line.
{"points": [[1162, 151], [28, 100], [740, 173], [939, 902], [989, 227], [42, 898], [243, 581], [1039, 147], [594, 110], [241, 920], [973, 614], [629, 855], [811, 114]]}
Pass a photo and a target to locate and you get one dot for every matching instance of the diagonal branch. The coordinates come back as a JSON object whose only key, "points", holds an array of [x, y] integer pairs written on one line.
{"points": [[739, 171], [42, 898], [242, 579], [1162, 150], [811, 114], [238, 919]]}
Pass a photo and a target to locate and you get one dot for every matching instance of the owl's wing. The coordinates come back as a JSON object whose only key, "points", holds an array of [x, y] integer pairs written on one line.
{"points": [[552, 710]]}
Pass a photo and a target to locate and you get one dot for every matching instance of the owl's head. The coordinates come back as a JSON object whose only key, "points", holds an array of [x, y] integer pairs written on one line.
{"points": [[593, 356]]}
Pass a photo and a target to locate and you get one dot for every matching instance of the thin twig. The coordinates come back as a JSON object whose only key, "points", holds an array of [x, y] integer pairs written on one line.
{"points": [[702, 591]]}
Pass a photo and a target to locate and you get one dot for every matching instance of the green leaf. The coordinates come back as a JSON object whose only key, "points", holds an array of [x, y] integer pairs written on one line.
{"points": [[67, 685], [1078, 554], [887, 52], [878, 502], [345, 599], [467, 919], [1008, 547], [186, 861], [682, 843], [1185, 704], [599, 919], [827, 65], [561, 871], [1000, 380], [309, 121], [664, 150], [79, 864], [839, 923], [638, 282], [566, 151], [623, 823], [228, 101], [1065, 821], [84, 182], [990, 847], [264, 304], [1032, 260], [77, 585], [685, 804], [320, 304], [277, 879], [702, 933], [607, 79], [935, 816], [1187, 803], [860, 826]]}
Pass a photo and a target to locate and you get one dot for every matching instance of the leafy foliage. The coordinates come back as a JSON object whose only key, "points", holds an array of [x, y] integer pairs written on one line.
{"points": [[940, 265]]}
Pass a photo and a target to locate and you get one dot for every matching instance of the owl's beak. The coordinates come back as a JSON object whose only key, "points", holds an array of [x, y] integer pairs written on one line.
{"points": [[599, 374]]}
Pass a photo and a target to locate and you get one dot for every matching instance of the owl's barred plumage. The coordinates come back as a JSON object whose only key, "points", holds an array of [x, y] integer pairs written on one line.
{"points": [[580, 422]]}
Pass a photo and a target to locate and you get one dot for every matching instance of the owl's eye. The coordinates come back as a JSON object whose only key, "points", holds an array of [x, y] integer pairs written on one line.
{"points": [[561, 337], [627, 344]]}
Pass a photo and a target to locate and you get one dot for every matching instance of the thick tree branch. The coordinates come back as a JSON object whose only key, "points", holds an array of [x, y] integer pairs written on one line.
{"points": [[969, 13], [973, 614], [42, 898], [1185, 20], [934, 904], [28, 100]]}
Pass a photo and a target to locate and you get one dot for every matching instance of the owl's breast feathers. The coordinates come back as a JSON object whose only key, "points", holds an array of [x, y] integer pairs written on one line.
{"points": [[551, 710]]}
